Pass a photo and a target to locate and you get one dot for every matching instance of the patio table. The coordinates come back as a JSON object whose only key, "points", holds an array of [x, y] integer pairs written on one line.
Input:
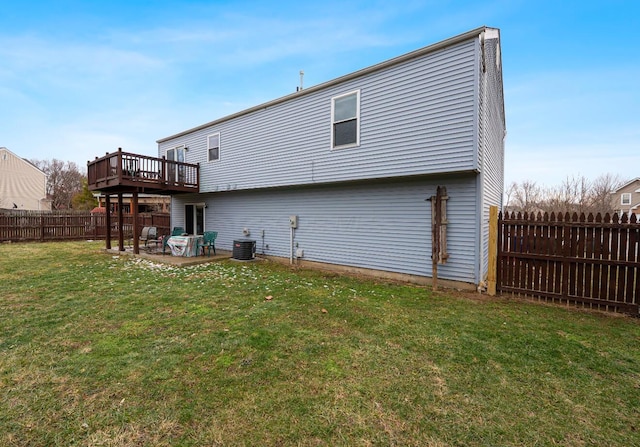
{"points": [[185, 245]]}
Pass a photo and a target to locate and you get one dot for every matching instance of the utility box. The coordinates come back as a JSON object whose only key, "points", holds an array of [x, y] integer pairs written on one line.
{"points": [[293, 221]]}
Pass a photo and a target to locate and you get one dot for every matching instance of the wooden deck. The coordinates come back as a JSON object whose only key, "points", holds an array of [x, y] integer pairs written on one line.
{"points": [[124, 172]]}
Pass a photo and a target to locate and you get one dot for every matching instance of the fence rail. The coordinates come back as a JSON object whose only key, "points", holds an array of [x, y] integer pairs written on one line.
{"points": [[588, 260], [17, 226]]}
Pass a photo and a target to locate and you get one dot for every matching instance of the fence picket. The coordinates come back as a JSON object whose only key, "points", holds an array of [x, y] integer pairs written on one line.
{"points": [[588, 260], [18, 226], [632, 280]]}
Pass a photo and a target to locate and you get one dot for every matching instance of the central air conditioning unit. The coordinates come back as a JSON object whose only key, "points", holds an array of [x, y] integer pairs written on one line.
{"points": [[244, 249]]}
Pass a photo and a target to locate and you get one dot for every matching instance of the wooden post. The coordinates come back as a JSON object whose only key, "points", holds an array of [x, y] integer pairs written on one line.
{"points": [[107, 206], [120, 224], [438, 232], [134, 205], [493, 250]]}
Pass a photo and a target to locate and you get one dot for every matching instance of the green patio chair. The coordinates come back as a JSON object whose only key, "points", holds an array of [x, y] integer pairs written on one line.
{"points": [[177, 231], [209, 242]]}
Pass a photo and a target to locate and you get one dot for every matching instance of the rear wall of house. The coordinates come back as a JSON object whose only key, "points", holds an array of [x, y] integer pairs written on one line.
{"points": [[383, 226]]}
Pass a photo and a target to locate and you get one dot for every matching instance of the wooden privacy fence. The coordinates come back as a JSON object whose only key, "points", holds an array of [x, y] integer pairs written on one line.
{"points": [[586, 260], [17, 226]]}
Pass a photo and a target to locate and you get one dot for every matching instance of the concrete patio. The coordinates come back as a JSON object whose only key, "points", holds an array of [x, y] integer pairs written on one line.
{"points": [[156, 255]]}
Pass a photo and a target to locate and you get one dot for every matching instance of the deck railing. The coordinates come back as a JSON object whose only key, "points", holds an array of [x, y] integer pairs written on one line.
{"points": [[127, 170]]}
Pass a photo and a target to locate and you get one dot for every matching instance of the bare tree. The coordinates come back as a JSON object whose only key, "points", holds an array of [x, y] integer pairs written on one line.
{"points": [[576, 194], [64, 180], [524, 197], [573, 196], [601, 189]]}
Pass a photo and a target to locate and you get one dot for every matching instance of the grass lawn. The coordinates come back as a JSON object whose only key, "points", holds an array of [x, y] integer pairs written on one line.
{"points": [[102, 350]]}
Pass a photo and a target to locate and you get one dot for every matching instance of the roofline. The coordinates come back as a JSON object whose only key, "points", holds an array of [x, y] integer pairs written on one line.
{"points": [[626, 184], [356, 74], [26, 161]]}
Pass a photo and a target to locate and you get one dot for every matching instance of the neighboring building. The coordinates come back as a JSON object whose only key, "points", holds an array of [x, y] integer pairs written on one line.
{"points": [[356, 159], [22, 185], [626, 199]]}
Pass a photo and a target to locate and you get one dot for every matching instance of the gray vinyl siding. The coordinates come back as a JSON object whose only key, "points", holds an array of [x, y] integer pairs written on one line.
{"points": [[490, 139], [435, 118], [416, 118], [383, 226]]}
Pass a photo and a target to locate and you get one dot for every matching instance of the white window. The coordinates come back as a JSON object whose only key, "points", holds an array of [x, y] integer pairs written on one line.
{"points": [[625, 198], [345, 120], [213, 147], [176, 154]]}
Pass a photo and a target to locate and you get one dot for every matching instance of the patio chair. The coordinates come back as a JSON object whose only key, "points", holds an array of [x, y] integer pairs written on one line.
{"points": [[209, 242], [148, 234], [177, 231], [165, 239], [153, 238]]}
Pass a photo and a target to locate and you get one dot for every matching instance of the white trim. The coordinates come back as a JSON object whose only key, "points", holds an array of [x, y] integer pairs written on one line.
{"points": [[357, 117], [209, 147], [623, 196]]}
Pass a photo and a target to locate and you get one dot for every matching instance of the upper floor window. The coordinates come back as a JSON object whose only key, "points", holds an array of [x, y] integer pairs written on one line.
{"points": [[345, 120], [213, 147], [625, 198]]}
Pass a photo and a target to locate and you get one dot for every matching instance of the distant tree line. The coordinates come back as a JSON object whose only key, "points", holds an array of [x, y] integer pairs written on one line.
{"points": [[66, 185], [575, 194]]}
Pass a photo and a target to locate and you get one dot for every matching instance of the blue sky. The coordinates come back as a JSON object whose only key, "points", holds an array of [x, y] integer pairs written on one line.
{"points": [[79, 79]]}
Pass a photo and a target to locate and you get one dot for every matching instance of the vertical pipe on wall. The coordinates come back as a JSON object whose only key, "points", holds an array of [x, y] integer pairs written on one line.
{"points": [[291, 247]]}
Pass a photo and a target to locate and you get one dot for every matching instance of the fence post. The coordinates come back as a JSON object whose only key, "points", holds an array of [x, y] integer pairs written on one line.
{"points": [[493, 250], [41, 227]]}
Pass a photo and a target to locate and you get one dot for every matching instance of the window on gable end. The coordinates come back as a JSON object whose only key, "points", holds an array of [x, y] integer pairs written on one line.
{"points": [[213, 147], [345, 120], [625, 198]]}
